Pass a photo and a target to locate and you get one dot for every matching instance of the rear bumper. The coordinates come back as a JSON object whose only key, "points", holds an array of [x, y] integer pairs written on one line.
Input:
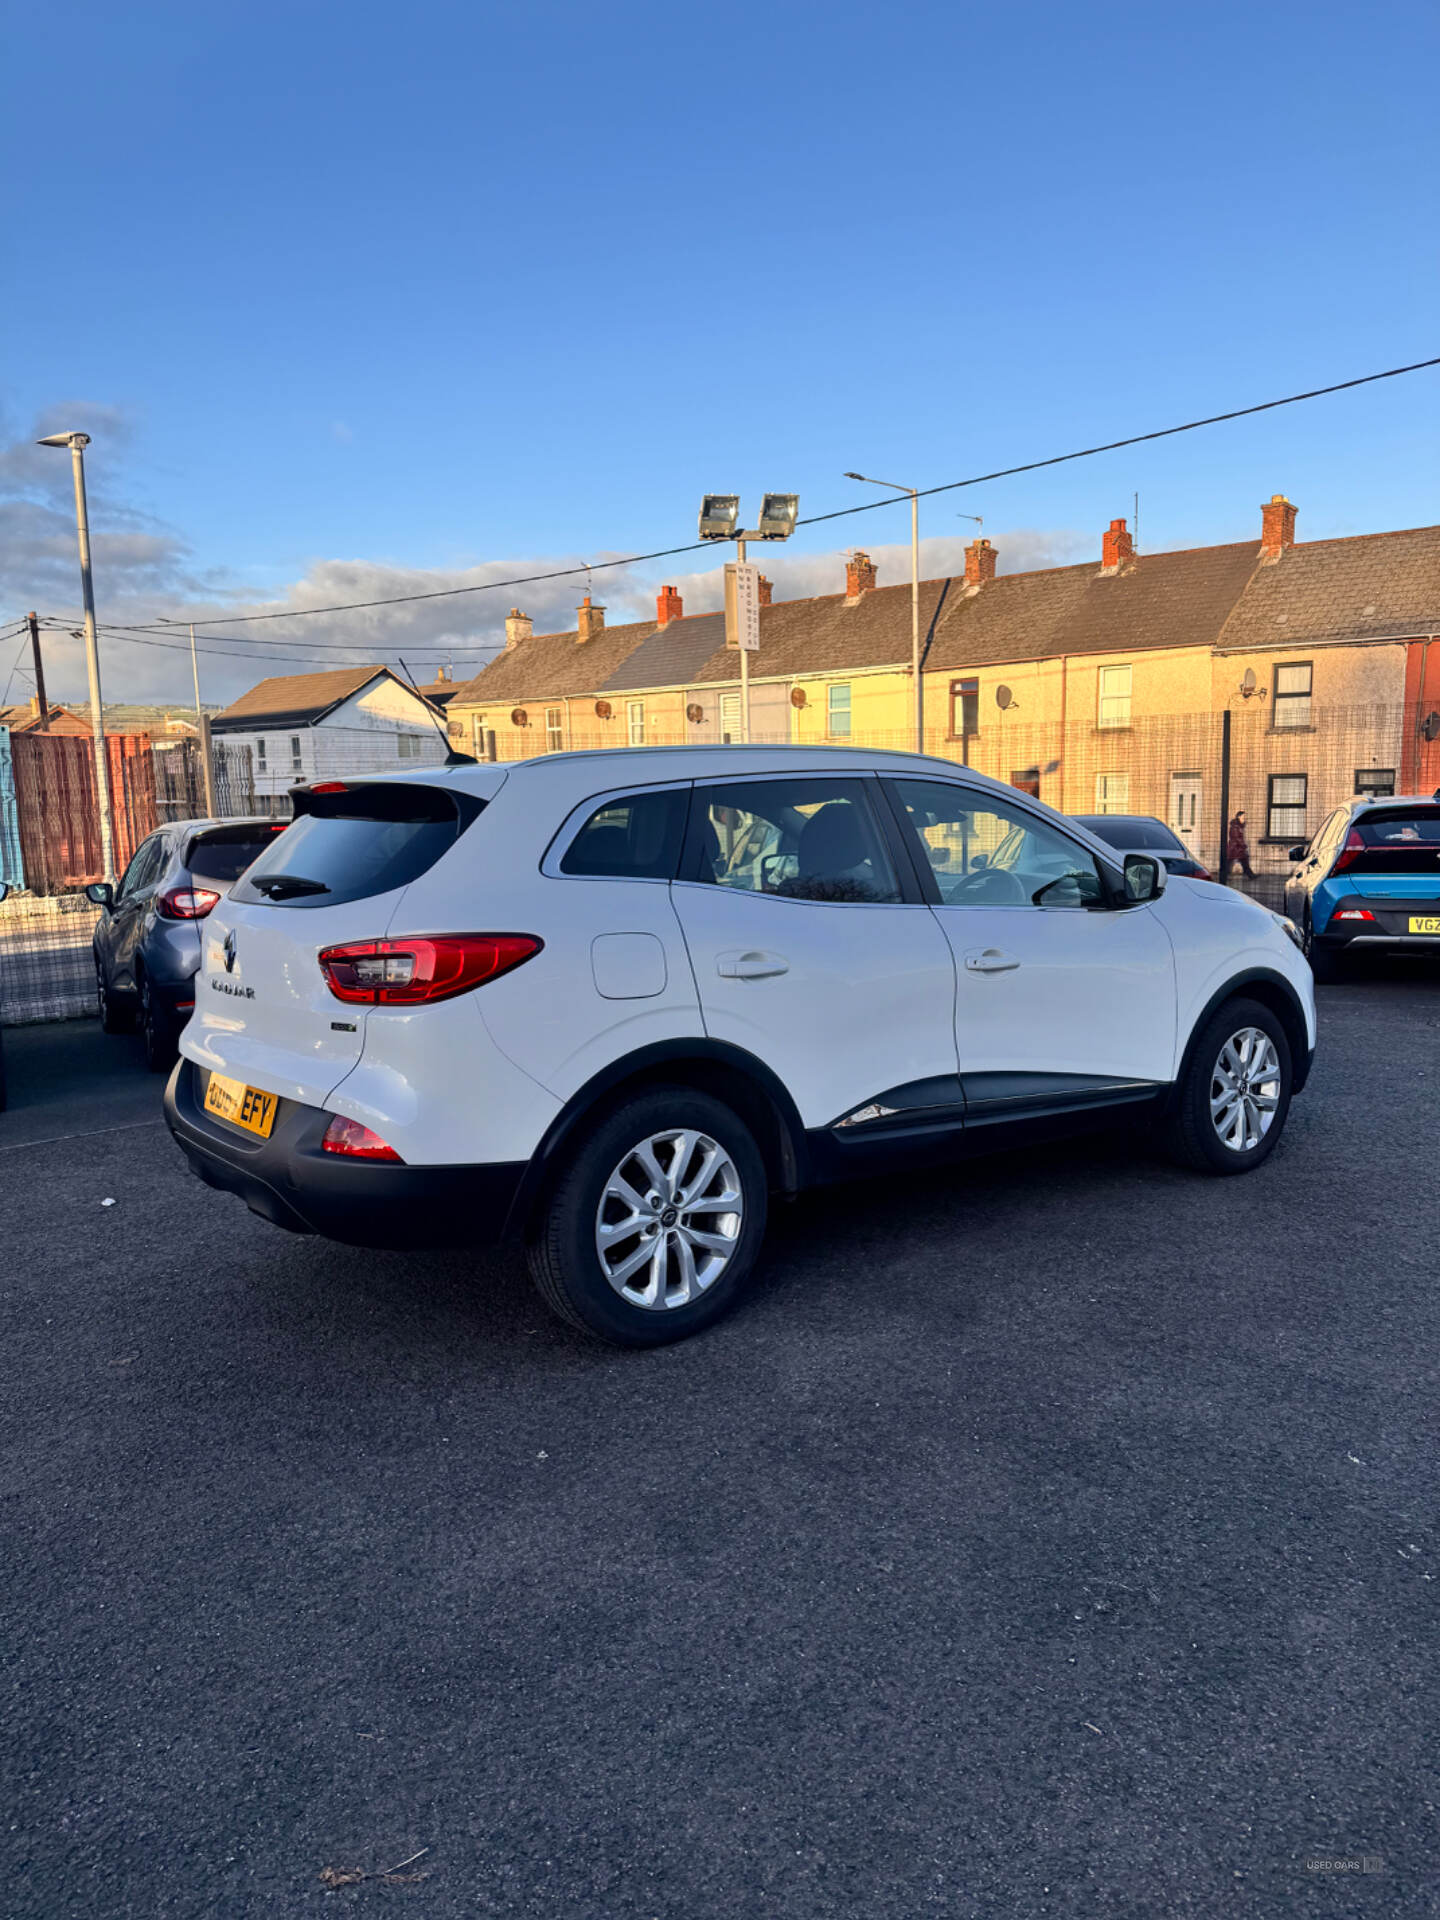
{"points": [[1389, 927], [289, 1181]]}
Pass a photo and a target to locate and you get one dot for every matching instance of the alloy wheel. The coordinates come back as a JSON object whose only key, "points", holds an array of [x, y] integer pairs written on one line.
{"points": [[1245, 1089], [669, 1219]]}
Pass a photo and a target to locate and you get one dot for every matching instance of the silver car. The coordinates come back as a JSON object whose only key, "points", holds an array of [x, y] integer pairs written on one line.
{"points": [[147, 939]]}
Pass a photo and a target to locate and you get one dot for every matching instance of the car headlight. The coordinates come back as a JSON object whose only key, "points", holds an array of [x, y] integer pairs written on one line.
{"points": [[1288, 926]]}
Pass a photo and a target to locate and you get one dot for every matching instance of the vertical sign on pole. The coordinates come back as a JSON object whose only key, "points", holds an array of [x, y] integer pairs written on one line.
{"points": [[742, 624]]}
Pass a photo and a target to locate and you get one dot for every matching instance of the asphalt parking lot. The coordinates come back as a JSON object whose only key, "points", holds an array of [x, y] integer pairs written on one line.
{"points": [[1053, 1537]]}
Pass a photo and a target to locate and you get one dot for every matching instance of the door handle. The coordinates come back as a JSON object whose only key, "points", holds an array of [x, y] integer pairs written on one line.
{"points": [[990, 960], [750, 965]]}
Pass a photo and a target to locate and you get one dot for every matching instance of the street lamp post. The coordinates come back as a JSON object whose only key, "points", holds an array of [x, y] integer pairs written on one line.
{"points": [[77, 443], [914, 598]]}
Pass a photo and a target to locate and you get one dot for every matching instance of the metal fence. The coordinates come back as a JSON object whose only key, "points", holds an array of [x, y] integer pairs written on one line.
{"points": [[1199, 772]]}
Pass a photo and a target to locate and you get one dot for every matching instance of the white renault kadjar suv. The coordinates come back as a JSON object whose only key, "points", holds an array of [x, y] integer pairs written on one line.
{"points": [[608, 1003]]}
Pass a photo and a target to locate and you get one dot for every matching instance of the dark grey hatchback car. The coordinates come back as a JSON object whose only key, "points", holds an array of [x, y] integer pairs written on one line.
{"points": [[147, 940]]}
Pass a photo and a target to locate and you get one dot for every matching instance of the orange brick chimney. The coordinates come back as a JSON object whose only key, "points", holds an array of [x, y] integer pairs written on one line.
{"points": [[668, 606], [979, 563], [1277, 526], [859, 575], [588, 621], [767, 588], [1117, 549]]}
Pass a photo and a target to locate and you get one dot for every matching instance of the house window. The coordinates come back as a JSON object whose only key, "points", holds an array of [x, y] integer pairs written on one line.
{"points": [[729, 718], [554, 729], [1375, 782], [1112, 791], [297, 760], [1026, 780], [837, 712], [1285, 813], [409, 745], [1114, 697], [964, 708], [478, 741], [260, 766], [635, 721], [1291, 705]]}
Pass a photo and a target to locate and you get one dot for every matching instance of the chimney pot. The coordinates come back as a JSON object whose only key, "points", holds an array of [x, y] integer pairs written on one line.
{"points": [[588, 621], [1277, 526], [859, 575], [1117, 549], [668, 606], [979, 563], [519, 626]]}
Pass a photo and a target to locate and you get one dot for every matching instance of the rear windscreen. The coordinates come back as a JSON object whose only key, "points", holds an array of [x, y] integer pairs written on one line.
{"points": [[355, 843], [1405, 841], [224, 855], [1125, 830]]}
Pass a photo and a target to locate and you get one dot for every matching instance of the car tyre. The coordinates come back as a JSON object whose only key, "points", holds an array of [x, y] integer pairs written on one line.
{"points": [[114, 1018], [679, 1236], [1325, 962], [1232, 1102], [156, 1034]]}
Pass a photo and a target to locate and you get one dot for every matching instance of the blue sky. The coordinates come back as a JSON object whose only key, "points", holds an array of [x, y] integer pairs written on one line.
{"points": [[361, 295]]}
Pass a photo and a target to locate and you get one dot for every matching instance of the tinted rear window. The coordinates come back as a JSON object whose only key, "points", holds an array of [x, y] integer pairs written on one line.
{"points": [[1404, 841], [1125, 830], [633, 838], [225, 854], [1415, 827], [352, 845]]}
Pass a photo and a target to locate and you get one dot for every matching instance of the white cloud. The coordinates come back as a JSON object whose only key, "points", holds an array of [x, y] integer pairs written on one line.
{"points": [[144, 572]]}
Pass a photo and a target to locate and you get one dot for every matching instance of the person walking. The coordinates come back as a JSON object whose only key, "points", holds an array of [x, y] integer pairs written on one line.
{"points": [[1237, 848]]}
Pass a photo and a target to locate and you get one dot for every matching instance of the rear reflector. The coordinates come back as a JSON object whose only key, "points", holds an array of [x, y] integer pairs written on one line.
{"points": [[349, 1137], [187, 903], [410, 973], [1354, 913]]}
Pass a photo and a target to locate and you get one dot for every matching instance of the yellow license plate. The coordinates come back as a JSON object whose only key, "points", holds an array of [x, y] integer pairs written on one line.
{"points": [[1425, 923], [242, 1106]]}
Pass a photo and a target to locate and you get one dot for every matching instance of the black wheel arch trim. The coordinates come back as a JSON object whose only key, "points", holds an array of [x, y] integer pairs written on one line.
{"points": [[786, 1155], [1293, 1015]]}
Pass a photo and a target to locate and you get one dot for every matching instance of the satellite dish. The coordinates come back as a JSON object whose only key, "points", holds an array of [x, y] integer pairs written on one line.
{"points": [[603, 710], [798, 696], [519, 717], [1247, 684], [1004, 698], [1430, 725], [694, 713]]}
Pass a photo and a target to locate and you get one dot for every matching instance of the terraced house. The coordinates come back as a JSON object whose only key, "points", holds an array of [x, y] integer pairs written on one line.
{"points": [[1271, 676]]}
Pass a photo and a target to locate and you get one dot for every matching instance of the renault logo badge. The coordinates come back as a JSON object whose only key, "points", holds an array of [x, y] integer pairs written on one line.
{"points": [[229, 951]]}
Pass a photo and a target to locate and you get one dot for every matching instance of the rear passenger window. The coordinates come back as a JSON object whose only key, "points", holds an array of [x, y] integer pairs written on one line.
{"points": [[636, 837], [803, 839]]}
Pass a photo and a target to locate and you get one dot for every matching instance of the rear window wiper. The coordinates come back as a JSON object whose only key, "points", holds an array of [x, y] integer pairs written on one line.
{"points": [[285, 886]]}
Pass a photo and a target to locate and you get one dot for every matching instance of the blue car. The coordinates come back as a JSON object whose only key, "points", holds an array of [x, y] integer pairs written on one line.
{"points": [[1370, 879], [147, 939]]}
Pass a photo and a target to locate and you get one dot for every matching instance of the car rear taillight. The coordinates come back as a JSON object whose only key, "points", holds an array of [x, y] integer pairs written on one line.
{"points": [[1353, 845], [359, 1143], [1353, 913], [410, 973], [187, 903], [1202, 873]]}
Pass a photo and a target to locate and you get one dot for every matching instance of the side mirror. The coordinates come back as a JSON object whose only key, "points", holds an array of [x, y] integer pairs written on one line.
{"points": [[1144, 878], [100, 894], [1297, 853]]}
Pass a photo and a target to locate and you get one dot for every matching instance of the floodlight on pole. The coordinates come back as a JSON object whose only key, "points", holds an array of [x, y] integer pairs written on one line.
{"points": [[719, 516], [720, 520], [77, 443], [919, 677]]}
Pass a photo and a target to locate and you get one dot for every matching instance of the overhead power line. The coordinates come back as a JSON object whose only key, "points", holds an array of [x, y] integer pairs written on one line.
{"points": [[839, 513], [148, 633]]}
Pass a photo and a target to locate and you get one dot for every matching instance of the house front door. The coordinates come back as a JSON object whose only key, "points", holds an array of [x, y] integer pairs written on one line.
{"points": [[1186, 793]]}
